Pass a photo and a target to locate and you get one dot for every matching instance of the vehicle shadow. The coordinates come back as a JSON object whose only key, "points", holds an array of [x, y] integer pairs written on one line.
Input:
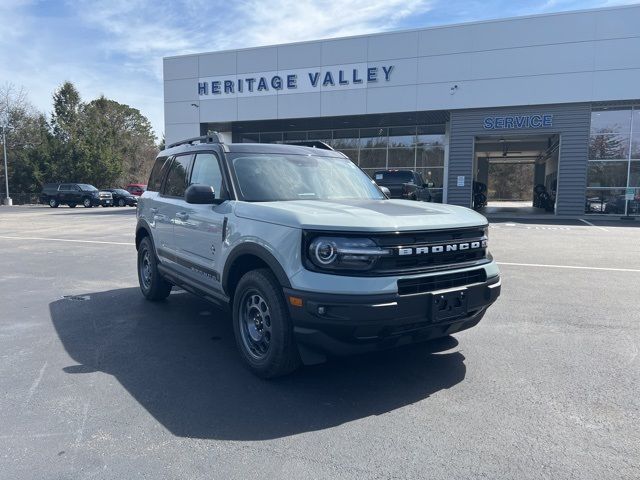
{"points": [[178, 360]]}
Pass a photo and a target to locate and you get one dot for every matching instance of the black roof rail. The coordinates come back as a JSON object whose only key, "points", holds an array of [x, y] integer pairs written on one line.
{"points": [[212, 137], [311, 143]]}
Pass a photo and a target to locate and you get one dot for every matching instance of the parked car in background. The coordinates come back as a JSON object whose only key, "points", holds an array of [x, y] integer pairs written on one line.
{"points": [[617, 205], [122, 197], [405, 184], [72, 194], [136, 189]]}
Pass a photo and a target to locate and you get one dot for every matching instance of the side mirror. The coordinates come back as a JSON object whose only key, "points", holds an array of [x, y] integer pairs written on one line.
{"points": [[201, 195], [386, 191]]}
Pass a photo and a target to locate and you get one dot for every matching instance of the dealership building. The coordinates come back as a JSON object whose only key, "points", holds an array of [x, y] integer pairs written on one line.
{"points": [[545, 103]]}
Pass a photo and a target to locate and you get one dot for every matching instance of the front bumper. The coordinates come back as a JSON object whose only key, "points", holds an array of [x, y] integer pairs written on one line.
{"points": [[337, 324]]}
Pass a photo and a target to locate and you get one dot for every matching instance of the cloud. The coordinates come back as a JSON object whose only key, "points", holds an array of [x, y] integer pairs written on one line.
{"points": [[115, 47]]}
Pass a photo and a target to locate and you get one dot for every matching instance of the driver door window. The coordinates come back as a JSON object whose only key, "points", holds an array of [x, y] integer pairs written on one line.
{"points": [[206, 171]]}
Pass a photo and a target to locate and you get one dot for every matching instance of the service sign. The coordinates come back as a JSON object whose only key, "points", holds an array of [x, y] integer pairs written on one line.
{"points": [[508, 122], [304, 80]]}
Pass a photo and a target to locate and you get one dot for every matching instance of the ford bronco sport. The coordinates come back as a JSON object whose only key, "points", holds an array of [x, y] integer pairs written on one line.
{"points": [[307, 252]]}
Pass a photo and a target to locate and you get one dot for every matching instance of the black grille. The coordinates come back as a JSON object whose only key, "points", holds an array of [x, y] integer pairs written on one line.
{"points": [[425, 262], [440, 282]]}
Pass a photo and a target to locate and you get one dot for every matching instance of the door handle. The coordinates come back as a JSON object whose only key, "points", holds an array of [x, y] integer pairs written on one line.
{"points": [[182, 216]]}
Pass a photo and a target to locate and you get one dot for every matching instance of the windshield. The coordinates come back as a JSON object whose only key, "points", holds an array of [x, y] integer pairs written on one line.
{"points": [[393, 177], [87, 188], [274, 177]]}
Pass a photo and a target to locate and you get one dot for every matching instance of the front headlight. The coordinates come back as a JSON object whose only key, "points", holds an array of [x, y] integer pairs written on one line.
{"points": [[340, 253]]}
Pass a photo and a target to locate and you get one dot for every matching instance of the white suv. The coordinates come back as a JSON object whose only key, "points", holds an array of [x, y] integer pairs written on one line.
{"points": [[307, 251]]}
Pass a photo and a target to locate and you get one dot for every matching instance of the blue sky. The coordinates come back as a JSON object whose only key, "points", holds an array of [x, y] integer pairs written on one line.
{"points": [[115, 47]]}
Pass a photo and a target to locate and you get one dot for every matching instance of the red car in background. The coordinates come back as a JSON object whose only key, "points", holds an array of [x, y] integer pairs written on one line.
{"points": [[136, 189]]}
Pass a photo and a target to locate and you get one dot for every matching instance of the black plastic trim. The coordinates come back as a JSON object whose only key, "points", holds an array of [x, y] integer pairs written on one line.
{"points": [[142, 224], [338, 323], [164, 253], [260, 252], [196, 287]]}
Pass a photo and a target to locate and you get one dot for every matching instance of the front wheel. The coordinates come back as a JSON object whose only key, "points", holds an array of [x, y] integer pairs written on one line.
{"points": [[262, 326], [86, 203], [153, 285]]}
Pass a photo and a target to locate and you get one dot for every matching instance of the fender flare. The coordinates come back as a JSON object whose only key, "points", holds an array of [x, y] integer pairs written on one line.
{"points": [[143, 225], [263, 254]]}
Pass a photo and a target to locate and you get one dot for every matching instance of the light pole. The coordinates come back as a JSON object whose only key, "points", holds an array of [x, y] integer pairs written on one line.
{"points": [[4, 123]]}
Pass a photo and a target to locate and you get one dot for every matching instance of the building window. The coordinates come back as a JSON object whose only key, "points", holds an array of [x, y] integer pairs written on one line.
{"points": [[414, 147], [613, 173], [295, 136]]}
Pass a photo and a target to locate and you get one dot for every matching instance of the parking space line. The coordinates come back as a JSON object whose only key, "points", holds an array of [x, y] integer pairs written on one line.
{"points": [[66, 240], [589, 223], [573, 267], [34, 385]]}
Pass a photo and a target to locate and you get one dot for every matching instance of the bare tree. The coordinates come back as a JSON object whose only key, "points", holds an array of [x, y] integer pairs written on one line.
{"points": [[12, 98]]}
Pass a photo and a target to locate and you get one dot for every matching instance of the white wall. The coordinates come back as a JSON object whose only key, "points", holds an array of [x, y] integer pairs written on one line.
{"points": [[569, 57]]}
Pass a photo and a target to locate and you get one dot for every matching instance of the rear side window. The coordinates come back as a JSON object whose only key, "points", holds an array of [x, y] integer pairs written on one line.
{"points": [[176, 182], [155, 179]]}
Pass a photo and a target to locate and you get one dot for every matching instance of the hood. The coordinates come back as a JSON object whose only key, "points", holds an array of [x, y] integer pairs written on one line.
{"points": [[361, 215]]}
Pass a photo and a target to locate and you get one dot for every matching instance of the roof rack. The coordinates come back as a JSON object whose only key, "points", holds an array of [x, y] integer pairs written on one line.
{"points": [[312, 144], [212, 137]]}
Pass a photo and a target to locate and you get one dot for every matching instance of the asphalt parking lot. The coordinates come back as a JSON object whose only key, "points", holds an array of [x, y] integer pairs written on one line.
{"points": [[98, 383]]}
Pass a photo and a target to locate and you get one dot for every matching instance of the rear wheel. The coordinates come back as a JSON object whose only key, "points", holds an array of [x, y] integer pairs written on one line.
{"points": [[53, 203], [262, 326], [86, 203], [153, 285], [121, 202]]}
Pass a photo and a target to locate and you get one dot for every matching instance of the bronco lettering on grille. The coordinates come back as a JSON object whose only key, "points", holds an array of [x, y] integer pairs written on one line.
{"points": [[444, 248]]}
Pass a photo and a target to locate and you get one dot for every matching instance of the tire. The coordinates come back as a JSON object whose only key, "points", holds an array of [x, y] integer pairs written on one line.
{"points": [[152, 284], [72, 205], [262, 326], [86, 203], [53, 203]]}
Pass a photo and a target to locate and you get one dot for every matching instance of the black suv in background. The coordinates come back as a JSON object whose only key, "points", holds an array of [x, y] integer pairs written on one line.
{"points": [[72, 194], [405, 184], [122, 198]]}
